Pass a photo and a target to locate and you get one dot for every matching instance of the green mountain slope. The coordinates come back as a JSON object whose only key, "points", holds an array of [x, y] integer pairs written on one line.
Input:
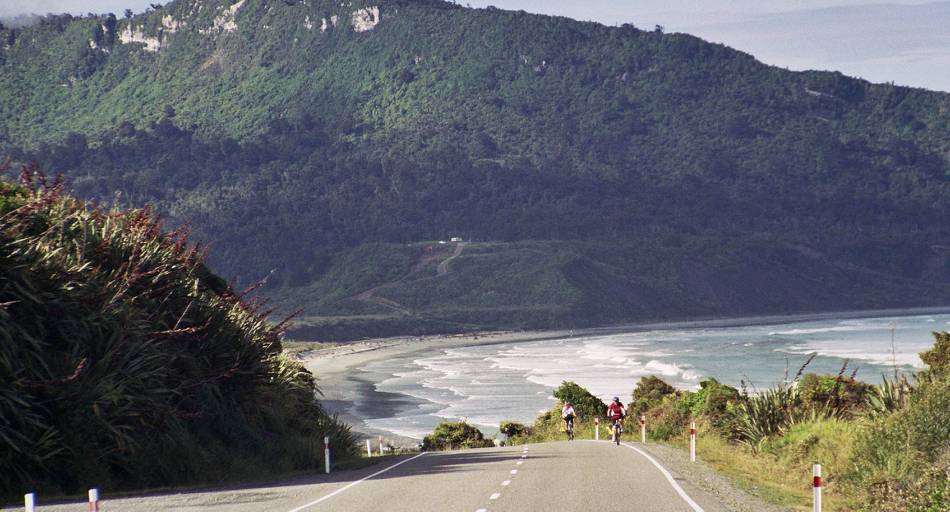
{"points": [[655, 175]]}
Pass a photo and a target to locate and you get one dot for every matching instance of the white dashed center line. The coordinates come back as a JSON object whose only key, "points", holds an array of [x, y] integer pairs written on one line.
{"points": [[506, 483]]}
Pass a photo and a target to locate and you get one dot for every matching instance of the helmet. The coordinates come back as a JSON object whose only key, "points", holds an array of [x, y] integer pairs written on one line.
{"points": [[616, 399]]}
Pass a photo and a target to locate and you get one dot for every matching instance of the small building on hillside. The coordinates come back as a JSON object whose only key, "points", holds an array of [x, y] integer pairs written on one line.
{"points": [[456, 239]]}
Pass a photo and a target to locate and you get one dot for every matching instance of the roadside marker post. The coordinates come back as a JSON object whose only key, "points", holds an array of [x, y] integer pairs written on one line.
{"points": [[326, 452], [596, 429], [816, 471], [29, 500], [692, 442], [643, 429], [93, 500], [380, 445], [369, 448]]}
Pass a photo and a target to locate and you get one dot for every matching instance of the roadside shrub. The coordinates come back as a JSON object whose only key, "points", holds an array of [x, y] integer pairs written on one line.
{"points": [[450, 435], [648, 393], [937, 358], [585, 404], [903, 460], [887, 397], [513, 429], [665, 421], [713, 400], [767, 414], [844, 395]]}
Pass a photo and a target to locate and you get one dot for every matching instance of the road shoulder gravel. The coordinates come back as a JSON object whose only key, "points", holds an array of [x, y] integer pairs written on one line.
{"points": [[701, 475]]}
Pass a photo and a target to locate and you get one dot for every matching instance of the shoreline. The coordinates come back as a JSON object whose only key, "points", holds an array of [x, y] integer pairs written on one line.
{"points": [[342, 387]]}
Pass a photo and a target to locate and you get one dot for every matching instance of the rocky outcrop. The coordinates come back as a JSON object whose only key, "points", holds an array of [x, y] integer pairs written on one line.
{"points": [[364, 20], [136, 35], [170, 25], [226, 21]]}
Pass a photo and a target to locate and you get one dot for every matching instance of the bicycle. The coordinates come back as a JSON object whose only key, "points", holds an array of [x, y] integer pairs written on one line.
{"points": [[569, 428], [617, 429]]}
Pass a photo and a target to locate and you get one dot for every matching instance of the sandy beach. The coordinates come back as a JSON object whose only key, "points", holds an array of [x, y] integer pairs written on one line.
{"points": [[341, 385], [335, 366]]}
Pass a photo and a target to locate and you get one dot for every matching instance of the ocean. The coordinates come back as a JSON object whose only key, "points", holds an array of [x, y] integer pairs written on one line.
{"points": [[485, 385]]}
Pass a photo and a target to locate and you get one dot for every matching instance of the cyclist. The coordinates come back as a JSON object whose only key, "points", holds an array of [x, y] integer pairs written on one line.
{"points": [[568, 415], [615, 413]]}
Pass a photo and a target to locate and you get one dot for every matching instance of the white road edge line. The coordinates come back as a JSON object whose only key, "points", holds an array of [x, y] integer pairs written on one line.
{"points": [[679, 490], [338, 491]]}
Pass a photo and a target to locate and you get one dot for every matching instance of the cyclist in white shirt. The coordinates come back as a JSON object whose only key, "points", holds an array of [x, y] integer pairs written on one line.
{"points": [[568, 415]]}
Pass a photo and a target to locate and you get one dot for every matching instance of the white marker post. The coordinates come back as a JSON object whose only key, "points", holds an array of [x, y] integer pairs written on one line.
{"points": [[643, 429], [380, 445], [29, 500], [817, 484], [692, 442], [326, 453], [596, 429], [93, 500], [369, 448]]}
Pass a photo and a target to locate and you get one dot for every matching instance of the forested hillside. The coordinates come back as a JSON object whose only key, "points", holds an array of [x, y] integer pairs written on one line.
{"points": [[609, 173]]}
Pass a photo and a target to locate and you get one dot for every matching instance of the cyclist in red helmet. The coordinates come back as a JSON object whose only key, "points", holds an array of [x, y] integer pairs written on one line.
{"points": [[615, 413]]}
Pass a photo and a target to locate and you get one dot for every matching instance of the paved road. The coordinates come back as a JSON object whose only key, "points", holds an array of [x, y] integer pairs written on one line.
{"points": [[582, 475]]}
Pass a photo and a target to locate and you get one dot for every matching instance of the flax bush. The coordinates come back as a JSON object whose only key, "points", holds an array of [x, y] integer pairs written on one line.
{"points": [[124, 362]]}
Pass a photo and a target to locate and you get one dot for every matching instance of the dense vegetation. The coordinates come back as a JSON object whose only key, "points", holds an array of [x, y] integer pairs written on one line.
{"points": [[455, 435], [618, 174], [125, 363], [883, 447]]}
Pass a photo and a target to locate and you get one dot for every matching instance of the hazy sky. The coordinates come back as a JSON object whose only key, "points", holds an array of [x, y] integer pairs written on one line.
{"points": [[902, 41]]}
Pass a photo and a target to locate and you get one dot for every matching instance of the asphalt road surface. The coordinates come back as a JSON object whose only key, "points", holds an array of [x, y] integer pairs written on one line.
{"points": [[568, 476]]}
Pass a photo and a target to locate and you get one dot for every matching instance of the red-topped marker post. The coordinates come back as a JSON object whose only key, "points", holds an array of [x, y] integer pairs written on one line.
{"points": [[93, 500], [596, 429], [817, 485], [643, 429], [326, 453]]}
